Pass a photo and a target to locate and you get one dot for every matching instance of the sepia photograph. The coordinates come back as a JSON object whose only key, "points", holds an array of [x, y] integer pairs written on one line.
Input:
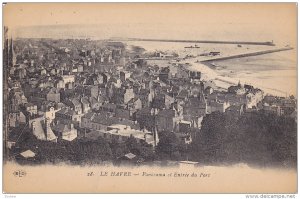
{"points": [[150, 98]]}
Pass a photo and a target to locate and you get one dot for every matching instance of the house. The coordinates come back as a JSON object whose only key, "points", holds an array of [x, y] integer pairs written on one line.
{"points": [[65, 131], [196, 90], [20, 73], [94, 79], [79, 68], [85, 104], [270, 99], [91, 91], [53, 95], [59, 84], [271, 109], [173, 90], [194, 75], [184, 126], [253, 97], [162, 101], [208, 90], [128, 95], [216, 105], [124, 75], [55, 71], [74, 104], [146, 96], [123, 95], [134, 105], [164, 74], [68, 79], [105, 78], [183, 95], [121, 133], [210, 83], [115, 81], [15, 119], [109, 107], [68, 115], [110, 91], [178, 107], [96, 103], [122, 112], [123, 121], [69, 85], [86, 120], [102, 121], [43, 72], [182, 73], [87, 90], [288, 106], [12, 71], [30, 109], [195, 109], [238, 90], [166, 120], [158, 101], [46, 82], [196, 106], [234, 99], [184, 131], [235, 110], [16, 98], [145, 118]]}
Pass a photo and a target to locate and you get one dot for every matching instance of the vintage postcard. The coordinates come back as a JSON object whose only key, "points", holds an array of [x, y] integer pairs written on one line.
{"points": [[150, 98]]}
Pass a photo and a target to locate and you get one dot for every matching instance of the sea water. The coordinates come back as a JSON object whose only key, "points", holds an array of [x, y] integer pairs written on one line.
{"points": [[275, 73]]}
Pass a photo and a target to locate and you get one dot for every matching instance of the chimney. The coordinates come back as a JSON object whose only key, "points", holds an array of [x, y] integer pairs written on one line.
{"points": [[33, 125]]}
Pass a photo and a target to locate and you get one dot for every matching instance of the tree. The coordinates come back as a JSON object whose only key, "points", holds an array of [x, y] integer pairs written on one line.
{"points": [[133, 146], [118, 149], [253, 138], [168, 146]]}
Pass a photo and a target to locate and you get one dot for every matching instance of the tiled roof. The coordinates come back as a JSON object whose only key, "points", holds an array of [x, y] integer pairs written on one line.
{"points": [[109, 105], [66, 111], [75, 102], [89, 115], [169, 113], [62, 127]]}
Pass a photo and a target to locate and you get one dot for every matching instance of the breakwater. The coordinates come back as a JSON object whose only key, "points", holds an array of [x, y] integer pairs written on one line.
{"points": [[208, 61], [267, 43]]}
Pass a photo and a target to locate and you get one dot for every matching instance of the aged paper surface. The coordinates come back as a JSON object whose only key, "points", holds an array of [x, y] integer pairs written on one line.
{"points": [[202, 37]]}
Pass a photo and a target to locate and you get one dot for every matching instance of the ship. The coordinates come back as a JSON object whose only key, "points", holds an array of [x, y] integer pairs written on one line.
{"points": [[195, 46]]}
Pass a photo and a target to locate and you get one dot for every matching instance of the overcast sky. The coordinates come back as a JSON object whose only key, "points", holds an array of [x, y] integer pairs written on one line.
{"points": [[222, 21]]}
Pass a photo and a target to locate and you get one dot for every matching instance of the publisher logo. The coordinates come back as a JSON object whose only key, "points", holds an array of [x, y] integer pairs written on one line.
{"points": [[19, 173]]}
